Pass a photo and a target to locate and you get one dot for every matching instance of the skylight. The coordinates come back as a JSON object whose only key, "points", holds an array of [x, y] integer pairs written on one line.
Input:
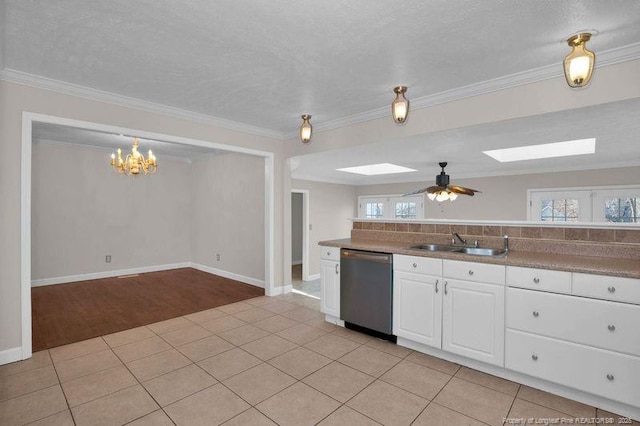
{"points": [[545, 150], [377, 169]]}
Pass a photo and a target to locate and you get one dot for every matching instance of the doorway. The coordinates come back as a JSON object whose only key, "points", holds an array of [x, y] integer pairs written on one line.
{"points": [[28, 121], [300, 227]]}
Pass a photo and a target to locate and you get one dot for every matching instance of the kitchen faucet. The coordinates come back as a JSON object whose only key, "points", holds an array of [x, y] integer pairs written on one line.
{"points": [[464, 242]]}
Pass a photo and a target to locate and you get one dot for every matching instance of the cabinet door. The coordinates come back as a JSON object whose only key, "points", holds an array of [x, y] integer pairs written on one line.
{"points": [[417, 308], [473, 320], [330, 287]]}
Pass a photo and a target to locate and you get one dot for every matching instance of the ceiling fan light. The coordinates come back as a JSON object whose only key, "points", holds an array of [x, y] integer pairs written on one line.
{"points": [[305, 129], [400, 105], [431, 196], [442, 196], [579, 64], [453, 196]]}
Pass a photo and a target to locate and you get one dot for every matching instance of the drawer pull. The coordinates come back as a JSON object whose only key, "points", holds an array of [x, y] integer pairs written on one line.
{"points": [[337, 272], [536, 314], [415, 265], [436, 286], [470, 272], [610, 377], [611, 327], [534, 357], [611, 289], [445, 287], [536, 280]]}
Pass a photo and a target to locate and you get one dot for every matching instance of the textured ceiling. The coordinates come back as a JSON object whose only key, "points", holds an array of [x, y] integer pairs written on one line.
{"points": [[263, 63], [615, 126]]}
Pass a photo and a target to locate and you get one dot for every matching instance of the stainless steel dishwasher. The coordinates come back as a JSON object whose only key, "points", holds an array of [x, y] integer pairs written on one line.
{"points": [[366, 292]]}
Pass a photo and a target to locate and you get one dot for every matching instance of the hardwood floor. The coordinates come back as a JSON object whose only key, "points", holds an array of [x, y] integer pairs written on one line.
{"points": [[67, 313]]}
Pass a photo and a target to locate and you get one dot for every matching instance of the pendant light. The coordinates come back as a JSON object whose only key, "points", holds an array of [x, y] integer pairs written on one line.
{"points": [[305, 129], [578, 65], [400, 105]]}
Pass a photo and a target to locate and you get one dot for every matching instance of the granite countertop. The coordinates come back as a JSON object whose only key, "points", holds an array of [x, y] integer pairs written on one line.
{"points": [[629, 268]]}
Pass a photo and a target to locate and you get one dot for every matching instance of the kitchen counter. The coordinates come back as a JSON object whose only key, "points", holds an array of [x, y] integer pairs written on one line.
{"points": [[628, 268]]}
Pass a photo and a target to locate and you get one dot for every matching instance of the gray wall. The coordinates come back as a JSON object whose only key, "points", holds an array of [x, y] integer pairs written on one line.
{"points": [[82, 211], [184, 212], [330, 208], [228, 213], [505, 197], [296, 226]]}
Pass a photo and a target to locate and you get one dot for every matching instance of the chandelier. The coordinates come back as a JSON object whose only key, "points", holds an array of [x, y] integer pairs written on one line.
{"points": [[134, 163]]}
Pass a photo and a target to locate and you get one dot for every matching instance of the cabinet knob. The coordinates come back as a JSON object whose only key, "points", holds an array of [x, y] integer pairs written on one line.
{"points": [[536, 314], [611, 327], [470, 272], [534, 357], [328, 253], [415, 265], [610, 377], [611, 289], [536, 280]]}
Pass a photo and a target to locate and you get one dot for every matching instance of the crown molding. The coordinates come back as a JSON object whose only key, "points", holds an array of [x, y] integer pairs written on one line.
{"points": [[32, 80], [609, 57], [614, 56]]}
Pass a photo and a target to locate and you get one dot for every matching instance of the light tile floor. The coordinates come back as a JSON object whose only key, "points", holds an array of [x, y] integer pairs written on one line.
{"points": [[264, 361], [307, 288]]}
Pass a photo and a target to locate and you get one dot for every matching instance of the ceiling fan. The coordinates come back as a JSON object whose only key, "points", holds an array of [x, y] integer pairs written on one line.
{"points": [[442, 191]]}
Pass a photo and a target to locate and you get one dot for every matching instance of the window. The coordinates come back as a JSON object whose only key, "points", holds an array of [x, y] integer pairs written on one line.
{"points": [[601, 204], [374, 210], [391, 207]]}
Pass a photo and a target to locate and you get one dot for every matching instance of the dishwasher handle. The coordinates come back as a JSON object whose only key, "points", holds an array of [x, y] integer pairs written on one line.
{"points": [[368, 256]]}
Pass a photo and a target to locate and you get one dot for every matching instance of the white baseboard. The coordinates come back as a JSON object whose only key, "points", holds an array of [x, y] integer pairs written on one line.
{"points": [[242, 278], [10, 355], [296, 262], [313, 277], [108, 274], [279, 290]]}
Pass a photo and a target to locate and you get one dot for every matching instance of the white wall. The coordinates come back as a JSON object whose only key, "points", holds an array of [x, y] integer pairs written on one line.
{"points": [[296, 227], [330, 208], [82, 210], [505, 197], [228, 213]]}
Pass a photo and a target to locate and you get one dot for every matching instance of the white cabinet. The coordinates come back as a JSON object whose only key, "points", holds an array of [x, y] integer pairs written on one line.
{"points": [[473, 320], [417, 307], [463, 317], [330, 281]]}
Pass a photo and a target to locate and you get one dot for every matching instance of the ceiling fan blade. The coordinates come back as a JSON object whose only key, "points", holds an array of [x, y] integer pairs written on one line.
{"points": [[435, 189], [419, 191], [462, 190]]}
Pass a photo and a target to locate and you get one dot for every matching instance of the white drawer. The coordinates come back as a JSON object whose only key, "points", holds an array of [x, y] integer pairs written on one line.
{"points": [[330, 253], [607, 325], [609, 288], [539, 279], [608, 374], [417, 264], [471, 271]]}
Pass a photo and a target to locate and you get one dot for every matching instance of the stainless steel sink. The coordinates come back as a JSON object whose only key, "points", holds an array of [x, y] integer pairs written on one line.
{"points": [[474, 251], [483, 251], [435, 247]]}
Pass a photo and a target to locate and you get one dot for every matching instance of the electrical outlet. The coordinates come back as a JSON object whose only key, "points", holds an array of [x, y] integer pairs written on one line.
{"points": [[218, 257], [107, 258]]}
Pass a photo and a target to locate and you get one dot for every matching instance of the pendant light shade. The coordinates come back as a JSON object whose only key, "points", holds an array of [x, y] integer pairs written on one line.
{"points": [[400, 105], [578, 65], [305, 129]]}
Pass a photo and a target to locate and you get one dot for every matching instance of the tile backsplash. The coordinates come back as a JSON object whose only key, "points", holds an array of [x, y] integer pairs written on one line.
{"points": [[610, 242]]}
